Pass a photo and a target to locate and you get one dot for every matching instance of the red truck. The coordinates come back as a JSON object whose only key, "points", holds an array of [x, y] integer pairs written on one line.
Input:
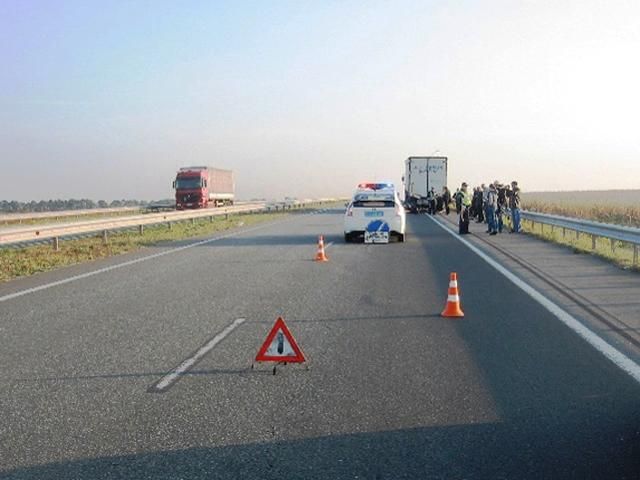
{"points": [[202, 187]]}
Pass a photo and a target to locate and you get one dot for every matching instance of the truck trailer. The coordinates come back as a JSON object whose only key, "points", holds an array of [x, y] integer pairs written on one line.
{"points": [[202, 187], [421, 175]]}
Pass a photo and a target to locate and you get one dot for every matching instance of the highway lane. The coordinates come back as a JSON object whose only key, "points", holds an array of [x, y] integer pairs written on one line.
{"points": [[392, 390]]}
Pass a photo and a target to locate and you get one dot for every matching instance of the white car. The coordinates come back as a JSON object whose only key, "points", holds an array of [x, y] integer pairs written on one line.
{"points": [[375, 214]]}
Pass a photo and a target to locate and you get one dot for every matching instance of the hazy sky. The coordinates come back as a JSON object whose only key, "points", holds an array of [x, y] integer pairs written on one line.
{"points": [[106, 99]]}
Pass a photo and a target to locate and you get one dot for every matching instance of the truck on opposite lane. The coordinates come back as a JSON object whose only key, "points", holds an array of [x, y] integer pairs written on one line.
{"points": [[202, 187]]}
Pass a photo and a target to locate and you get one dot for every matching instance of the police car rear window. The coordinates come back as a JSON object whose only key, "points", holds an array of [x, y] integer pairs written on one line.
{"points": [[373, 204]]}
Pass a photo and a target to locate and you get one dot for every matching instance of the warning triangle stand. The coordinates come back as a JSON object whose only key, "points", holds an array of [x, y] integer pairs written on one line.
{"points": [[280, 347]]}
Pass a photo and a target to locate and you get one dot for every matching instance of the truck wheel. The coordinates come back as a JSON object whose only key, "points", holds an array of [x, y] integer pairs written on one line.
{"points": [[401, 237], [347, 238]]}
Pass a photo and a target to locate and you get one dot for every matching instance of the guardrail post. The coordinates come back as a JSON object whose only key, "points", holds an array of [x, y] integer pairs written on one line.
{"points": [[211, 218], [635, 255], [593, 242], [141, 229], [564, 232], [613, 245], [105, 237], [577, 235], [56, 244]]}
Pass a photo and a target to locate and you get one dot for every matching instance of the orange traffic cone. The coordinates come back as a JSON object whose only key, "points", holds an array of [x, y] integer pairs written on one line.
{"points": [[453, 299], [321, 256]]}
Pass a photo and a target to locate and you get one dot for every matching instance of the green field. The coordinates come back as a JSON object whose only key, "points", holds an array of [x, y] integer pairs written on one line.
{"points": [[620, 207], [622, 198]]}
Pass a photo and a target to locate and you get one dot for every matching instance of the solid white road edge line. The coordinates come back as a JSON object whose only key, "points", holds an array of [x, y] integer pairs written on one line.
{"points": [[613, 354], [133, 262], [172, 376]]}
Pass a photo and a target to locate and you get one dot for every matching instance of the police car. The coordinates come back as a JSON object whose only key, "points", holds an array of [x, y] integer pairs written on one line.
{"points": [[375, 214]]}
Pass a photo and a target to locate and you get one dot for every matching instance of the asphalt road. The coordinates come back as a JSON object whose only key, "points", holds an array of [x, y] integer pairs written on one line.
{"points": [[392, 390]]}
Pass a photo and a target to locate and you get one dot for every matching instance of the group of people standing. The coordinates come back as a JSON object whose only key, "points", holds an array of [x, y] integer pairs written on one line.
{"points": [[488, 204], [438, 202]]}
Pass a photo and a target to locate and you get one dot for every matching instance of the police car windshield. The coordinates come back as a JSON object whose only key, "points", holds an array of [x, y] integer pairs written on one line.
{"points": [[377, 196]]}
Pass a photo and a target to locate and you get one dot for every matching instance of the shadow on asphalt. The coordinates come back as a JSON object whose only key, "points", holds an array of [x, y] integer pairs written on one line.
{"points": [[565, 413], [542, 376], [483, 451]]}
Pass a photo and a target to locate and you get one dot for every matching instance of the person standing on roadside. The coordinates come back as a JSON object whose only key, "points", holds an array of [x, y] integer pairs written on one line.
{"points": [[463, 222], [491, 208], [485, 193], [446, 199], [514, 205], [431, 201], [502, 205], [458, 199], [476, 205]]}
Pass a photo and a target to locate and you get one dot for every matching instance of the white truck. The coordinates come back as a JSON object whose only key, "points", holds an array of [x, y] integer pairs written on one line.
{"points": [[421, 175]]}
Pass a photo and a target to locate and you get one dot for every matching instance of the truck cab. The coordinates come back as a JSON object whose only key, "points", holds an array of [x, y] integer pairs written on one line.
{"points": [[191, 189], [202, 187]]}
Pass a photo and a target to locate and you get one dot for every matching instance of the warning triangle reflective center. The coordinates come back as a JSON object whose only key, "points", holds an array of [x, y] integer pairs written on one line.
{"points": [[280, 346]]}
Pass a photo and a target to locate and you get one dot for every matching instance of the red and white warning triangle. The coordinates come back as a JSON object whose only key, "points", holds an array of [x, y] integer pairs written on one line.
{"points": [[280, 346]]}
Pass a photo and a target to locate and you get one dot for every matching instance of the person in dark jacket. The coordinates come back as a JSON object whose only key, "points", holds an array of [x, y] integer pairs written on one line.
{"points": [[502, 205], [477, 205], [490, 208], [457, 197], [446, 199], [431, 201], [463, 222], [514, 205]]}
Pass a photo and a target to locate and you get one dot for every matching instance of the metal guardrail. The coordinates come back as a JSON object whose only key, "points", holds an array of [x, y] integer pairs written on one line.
{"points": [[54, 232], [595, 229], [23, 217]]}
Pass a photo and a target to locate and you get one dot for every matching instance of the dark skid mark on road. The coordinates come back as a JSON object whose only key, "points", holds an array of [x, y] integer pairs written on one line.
{"points": [[417, 316], [110, 376]]}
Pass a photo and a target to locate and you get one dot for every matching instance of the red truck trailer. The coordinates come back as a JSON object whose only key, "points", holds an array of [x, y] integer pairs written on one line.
{"points": [[202, 187]]}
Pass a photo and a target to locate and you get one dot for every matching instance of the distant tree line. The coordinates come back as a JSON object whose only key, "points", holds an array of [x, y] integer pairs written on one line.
{"points": [[12, 206]]}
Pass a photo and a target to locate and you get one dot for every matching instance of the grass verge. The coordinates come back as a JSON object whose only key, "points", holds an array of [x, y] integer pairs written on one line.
{"points": [[620, 253], [42, 258]]}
